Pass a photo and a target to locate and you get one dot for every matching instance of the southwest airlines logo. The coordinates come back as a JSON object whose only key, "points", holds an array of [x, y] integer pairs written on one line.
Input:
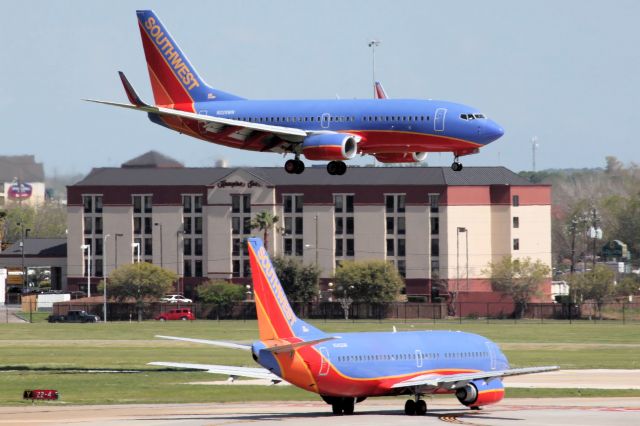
{"points": [[173, 57], [272, 278]]}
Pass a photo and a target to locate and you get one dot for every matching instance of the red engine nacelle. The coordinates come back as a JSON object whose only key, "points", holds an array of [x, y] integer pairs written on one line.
{"points": [[330, 146], [402, 157], [477, 394]]}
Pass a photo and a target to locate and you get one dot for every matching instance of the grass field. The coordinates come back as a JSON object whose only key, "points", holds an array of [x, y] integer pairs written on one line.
{"points": [[35, 355]]}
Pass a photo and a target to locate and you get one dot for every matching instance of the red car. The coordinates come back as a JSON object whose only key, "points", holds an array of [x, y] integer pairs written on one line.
{"points": [[176, 314]]}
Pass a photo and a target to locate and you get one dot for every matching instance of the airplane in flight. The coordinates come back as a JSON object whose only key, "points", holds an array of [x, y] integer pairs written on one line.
{"points": [[345, 368], [393, 131]]}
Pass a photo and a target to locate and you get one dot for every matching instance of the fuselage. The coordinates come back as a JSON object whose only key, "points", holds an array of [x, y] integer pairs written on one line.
{"points": [[386, 126], [367, 364]]}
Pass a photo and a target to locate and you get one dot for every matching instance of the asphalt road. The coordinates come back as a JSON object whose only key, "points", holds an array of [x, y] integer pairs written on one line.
{"points": [[543, 412]]}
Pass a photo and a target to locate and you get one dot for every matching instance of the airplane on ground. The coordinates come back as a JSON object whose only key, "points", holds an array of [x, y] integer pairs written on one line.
{"points": [[393, 131], [345, 368]]}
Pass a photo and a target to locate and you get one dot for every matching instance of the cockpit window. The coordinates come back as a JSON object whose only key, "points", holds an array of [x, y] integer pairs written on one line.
{"points": [[472, 116]]}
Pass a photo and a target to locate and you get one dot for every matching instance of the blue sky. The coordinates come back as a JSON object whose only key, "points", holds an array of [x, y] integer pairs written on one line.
{"points": [[564, 71]]}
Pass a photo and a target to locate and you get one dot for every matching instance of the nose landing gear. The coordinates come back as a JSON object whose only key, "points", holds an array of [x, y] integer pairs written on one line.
{"points": [[456, 166]]}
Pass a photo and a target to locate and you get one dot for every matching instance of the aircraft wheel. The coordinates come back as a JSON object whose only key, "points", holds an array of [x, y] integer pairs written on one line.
{"points": [[336, 408], [410, 407], [299, 167], [332, 167], [421, 407], [342, 168], [456, 166], [348, 406], [290, 166]]}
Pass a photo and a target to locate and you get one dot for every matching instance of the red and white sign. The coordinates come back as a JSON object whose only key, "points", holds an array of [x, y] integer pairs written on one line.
{"points": [[20, 191]]}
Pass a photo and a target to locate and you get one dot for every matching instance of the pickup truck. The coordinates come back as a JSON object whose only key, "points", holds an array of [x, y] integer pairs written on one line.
{"points": [[74, 316]]}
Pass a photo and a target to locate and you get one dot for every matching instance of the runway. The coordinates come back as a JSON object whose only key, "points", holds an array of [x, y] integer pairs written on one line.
{"points": [[543, 412]]}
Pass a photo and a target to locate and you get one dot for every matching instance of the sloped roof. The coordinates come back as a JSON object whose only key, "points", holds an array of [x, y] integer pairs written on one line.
{"points": [[153, 159], [40, 247], [23, 167], [472, 176]]}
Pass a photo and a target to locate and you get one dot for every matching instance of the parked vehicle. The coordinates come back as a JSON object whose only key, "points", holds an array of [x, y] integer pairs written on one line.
{"points": [[175, 298], [176, 314], [74, 316]]}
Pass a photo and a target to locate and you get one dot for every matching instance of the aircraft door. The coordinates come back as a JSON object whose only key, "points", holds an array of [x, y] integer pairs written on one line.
{"points": [[324, 363], [324, 120], [418, 358], [438, 121]]}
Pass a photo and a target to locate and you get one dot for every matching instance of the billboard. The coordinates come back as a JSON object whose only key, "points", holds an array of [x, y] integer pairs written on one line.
{"points": [[19, 191]]}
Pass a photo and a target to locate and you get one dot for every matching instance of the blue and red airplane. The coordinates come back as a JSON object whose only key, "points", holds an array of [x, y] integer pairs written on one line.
{"points": [[392, 130], [345, 368]]}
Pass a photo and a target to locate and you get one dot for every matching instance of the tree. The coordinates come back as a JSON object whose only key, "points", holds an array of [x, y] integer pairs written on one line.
{"points": [[139, 281], [222, 294], [629, 285], [595, 285], [518, 278], [264, 221], [299, 281], [3, 215], [46, 221], [370, 281]]}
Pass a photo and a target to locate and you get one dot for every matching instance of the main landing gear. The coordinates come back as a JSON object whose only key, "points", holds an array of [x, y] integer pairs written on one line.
{"points": [[336, 168], [456, 166], [415, 407], [294, 166], [342, 405]]}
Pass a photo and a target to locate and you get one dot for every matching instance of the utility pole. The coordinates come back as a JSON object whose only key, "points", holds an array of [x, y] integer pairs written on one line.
{"points": [[595, 233], [373, 44], [534, 146], [161, 256], [104, 274]]}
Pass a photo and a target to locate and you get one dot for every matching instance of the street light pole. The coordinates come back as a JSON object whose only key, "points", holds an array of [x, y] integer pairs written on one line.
{"points": [[317, 246], [104, 275], [373, 44], [178, 233], [459, 230], [88, 248], [116, 257], [161, 256]]}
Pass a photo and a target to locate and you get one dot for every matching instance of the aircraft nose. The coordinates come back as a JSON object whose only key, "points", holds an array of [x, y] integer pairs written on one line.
{"points": [[493, 131]]}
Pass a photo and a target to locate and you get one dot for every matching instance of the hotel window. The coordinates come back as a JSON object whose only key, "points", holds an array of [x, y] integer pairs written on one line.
{"points": [[240, 225], [292, 206], [93, 223], [435, 247], [396, 229], [435, 225], [142, 225], [434, 201], [344, 225], [516, 244], [516, 222], [515, 200]]}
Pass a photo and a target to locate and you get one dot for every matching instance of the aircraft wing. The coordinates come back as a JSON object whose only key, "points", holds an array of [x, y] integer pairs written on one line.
{"points": [[220, 343], [231, 371], [455, 381], [215, 124]]}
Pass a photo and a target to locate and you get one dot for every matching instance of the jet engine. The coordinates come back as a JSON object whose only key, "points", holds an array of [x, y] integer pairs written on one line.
{"points": [[402, 157], [330, 146], [479, 393]]}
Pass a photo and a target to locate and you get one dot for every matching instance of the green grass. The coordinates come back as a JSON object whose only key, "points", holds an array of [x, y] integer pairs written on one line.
{"points": [[41, 349]]}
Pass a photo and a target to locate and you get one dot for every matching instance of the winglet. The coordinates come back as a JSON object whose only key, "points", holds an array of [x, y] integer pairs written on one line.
{"points": [[130, 91]]}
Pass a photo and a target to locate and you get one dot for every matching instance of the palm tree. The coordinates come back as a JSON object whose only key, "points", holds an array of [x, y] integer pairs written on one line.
{"points": [[264, 221]]}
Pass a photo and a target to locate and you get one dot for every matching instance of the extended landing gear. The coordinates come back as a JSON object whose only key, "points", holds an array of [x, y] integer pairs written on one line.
{"points": [[336, 168], [456, 166], [340, 406], [294, 166], [415, 407]]}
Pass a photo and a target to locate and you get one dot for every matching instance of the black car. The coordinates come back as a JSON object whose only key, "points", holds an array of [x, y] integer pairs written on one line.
{"points": [[74, 316]]}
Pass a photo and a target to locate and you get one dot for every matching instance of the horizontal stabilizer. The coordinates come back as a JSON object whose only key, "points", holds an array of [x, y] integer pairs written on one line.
{"points": [[255, 373], [220, 343], [293, 346]]}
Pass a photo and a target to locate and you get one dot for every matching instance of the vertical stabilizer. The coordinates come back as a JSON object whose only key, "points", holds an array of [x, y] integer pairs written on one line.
{"points": [[174, 80], [276, 319]]}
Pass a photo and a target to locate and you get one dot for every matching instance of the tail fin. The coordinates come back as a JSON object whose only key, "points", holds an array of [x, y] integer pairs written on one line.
{"points": [[276, 319], [173, 79], [379, 91]]}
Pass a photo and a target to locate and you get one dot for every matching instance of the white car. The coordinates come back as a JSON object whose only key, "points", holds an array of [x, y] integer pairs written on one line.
{"points": [[175, 298]]}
